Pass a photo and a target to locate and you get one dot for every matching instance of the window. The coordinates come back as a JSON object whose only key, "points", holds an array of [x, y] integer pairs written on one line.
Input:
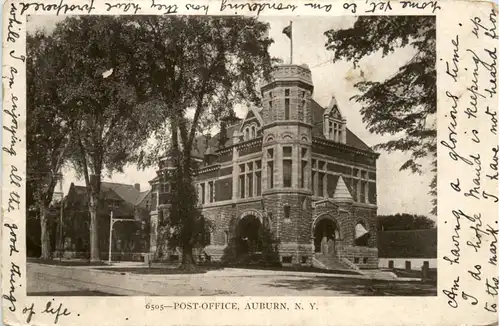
{"points": [[211, 191], [321, 177], [286, 210], [313, 182], [226, 237], [287, 103], [362, 192], [303, 168], [253, 132], [202, 193], [246, 134], [287, 167], [270, 168], [258, 180], [242, 186], [287, 109]]}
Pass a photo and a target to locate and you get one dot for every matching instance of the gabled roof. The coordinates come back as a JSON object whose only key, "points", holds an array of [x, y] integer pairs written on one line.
{"points": [[126, 192], [113, 191], [317, 112], [141, 197]]}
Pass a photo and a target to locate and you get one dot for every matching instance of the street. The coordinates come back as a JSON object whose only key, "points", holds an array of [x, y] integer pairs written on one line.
{"points": [[58, 281]]}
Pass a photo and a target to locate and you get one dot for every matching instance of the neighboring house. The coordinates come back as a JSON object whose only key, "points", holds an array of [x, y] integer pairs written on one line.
{"points": [[292, 167], [408, 249], [126, 202]]}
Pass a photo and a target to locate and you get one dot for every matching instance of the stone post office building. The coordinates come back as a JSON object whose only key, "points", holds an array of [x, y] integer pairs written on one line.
{"points": [[292, 167]]}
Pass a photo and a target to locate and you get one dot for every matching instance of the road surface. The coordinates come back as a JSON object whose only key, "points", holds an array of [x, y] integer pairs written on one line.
{"points": [[52, 280]]}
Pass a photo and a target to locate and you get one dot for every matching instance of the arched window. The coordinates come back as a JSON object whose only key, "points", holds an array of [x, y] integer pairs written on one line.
{"points": [[246, 133], [253, 132]]}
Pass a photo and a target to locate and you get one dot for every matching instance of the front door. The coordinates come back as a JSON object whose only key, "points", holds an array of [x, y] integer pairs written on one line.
{"points": [[324, 237]]}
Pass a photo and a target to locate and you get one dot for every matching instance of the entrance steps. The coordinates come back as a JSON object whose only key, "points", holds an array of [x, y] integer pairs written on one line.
{"points": [[330, 262]]}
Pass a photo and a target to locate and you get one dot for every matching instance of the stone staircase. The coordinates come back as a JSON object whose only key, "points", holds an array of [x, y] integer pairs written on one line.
{"points": [[330, 262]]}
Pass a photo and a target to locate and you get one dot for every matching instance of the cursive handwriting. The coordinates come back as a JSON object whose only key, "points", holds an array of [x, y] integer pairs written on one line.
{"points": [[12, 129], [421, 5], [452, 293], [15, 273], [256, 7], [13, 237], [13, 29], [123, 7], [456, 241], [454, 70], [490, 31], [57, 312], [58, 8]]}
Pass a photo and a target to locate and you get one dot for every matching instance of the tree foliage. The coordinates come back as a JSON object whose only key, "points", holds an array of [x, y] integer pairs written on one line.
{"points": [[404, 221], [90, 90], [405, 103], [47, 134], [203, 65]]}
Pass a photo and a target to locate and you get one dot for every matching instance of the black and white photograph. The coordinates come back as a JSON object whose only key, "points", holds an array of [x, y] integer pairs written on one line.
{"points": [[231, 156]]}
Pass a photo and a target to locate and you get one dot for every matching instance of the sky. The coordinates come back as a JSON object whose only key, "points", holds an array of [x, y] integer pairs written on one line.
{"points": [[397, 191]]}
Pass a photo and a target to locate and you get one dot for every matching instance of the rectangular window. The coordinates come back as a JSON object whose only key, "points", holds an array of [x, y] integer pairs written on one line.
{"points": [[321, 165], [211, 191], [258, 180], [270, 174], [286, 209], [303, 170], [313, 183], [287, 92], [242, 168], [355, 190], [250, 166], [258, 165], [242, 186], [287, 109], [287, 173], [321, 183], [226, 237], [287, 151], [250, 184], [202, 187], [270, 154], [362, 192]]}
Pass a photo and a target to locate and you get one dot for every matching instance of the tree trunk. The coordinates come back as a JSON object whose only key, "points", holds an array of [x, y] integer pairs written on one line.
{"points": [[187, 257], [45, 233], [94, 232]]}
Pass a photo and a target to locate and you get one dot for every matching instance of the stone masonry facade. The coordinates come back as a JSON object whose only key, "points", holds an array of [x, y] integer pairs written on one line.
{"points": [[291, 167]]}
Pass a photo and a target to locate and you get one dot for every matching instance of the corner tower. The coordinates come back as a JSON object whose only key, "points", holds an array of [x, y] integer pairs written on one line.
{"points": [[286, 148]]}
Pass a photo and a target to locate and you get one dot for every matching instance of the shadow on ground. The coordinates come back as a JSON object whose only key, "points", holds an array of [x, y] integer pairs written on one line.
{"points": [[342, 286]]}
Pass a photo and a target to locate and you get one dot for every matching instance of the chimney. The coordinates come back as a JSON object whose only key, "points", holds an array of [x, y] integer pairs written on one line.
{"points": [[137, 186]]}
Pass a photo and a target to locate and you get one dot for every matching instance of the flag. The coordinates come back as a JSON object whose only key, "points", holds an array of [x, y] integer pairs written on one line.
{"points": [[288, 31]]}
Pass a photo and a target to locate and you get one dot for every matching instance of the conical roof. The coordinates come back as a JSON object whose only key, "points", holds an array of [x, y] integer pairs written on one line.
{"points": [[341, 193]]}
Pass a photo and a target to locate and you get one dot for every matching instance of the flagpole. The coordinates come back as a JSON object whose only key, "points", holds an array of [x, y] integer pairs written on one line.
{"points": [[291, 43]]}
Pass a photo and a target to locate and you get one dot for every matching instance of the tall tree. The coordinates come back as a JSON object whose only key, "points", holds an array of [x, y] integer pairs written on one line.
{"points": [[100, 104], [405, 103], [203, 64], [48, 135]]}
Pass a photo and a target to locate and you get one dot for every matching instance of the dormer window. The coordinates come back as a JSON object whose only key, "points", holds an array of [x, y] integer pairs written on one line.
{"points": [[253, 132]]}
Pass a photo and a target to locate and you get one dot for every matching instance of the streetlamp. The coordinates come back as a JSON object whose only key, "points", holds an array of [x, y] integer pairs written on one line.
{"points": [[111, 223]]}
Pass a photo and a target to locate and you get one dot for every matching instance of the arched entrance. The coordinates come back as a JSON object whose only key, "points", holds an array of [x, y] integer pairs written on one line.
{"points": [[248, 236], [326, 233]]}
